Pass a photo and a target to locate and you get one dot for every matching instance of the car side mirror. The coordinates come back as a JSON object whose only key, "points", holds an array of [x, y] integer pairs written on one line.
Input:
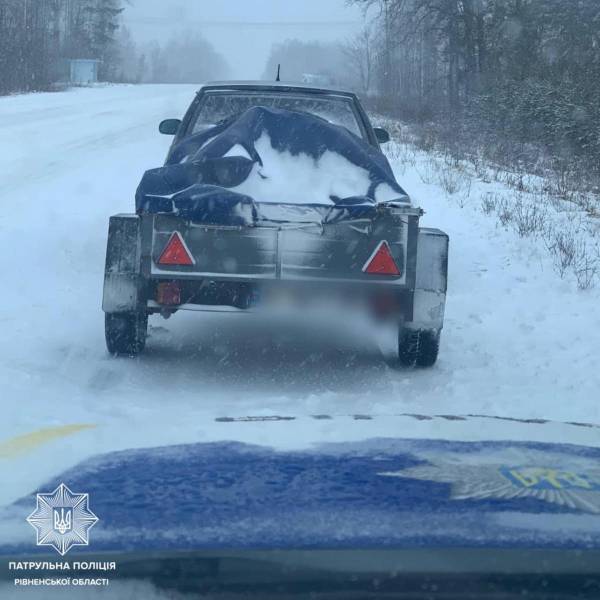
{"points": [[381, 134], [169, 126]]}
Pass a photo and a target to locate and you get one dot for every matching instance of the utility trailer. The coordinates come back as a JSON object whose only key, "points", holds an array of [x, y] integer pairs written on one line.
{"points": [[164, 263]]}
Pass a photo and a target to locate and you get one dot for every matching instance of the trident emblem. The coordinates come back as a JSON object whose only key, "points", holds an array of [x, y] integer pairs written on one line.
{"points": [[62, 519]]}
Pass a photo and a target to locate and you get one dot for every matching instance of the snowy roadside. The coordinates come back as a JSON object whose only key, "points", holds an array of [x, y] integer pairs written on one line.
{"points": [[565, 220], [523, 300]]}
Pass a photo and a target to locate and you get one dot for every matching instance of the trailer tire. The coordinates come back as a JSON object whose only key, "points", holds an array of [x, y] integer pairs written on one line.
{"points": [[418, 347], [429, 346], [408, 347], [125, 332]]}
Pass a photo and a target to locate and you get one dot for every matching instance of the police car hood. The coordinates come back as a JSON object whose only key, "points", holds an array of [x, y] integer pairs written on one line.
{"points": [[374, 493]]}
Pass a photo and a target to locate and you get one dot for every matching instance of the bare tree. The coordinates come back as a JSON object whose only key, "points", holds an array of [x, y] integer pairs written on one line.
{"points": [[359, 51]]}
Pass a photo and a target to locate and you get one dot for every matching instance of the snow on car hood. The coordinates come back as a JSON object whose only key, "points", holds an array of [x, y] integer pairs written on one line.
{"points": [[376, 493], [269, 156]]}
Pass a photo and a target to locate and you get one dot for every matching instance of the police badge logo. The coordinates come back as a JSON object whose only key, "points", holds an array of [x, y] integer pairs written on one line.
{"points": [[62, 519], [570, 482]]}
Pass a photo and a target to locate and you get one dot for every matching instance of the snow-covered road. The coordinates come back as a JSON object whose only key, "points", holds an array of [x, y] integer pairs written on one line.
{"points": [[518, 341]]}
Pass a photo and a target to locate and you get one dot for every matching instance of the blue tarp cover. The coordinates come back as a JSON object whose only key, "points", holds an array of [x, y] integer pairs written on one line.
{"points": [[195, 183], [372, 494]]}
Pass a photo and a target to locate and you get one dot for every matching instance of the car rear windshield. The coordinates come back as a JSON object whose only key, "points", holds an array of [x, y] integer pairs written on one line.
{"points": [[216, 106]]}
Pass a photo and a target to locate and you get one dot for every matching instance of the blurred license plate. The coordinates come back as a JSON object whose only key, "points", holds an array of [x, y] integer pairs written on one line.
{"points": [[276, 297]]}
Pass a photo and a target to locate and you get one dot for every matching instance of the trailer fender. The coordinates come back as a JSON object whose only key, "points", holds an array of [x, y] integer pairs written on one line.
{"points": [[431, 279], [122, 280]]}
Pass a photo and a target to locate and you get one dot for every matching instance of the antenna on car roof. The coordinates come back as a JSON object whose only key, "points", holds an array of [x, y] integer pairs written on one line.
{"points": [[278, 69]]}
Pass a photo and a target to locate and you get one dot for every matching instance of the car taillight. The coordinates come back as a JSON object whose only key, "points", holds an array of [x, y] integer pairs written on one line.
{"points": [[381, 262], [176, 252]]}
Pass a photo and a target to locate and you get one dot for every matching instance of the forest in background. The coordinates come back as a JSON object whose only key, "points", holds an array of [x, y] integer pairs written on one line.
{"points": [[515, 80], [38, 37]]}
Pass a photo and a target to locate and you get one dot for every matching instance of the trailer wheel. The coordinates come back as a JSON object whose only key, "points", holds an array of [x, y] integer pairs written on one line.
{"points": [[418, 347], [408, 347], [429, 346], [125, 332]]}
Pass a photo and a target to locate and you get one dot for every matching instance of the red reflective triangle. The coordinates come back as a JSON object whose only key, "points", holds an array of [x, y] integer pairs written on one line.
{"points": [[381, 262], [176, 252]]}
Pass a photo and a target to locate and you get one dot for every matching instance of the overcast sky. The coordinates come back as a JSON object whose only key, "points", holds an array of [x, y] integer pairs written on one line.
{"points": [[243, 30]]}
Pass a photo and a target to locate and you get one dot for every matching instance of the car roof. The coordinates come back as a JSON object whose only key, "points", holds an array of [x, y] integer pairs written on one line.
{"points": [[283, 86]]}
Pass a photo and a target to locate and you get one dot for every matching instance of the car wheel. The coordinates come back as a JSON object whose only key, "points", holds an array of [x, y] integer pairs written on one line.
{"points": [[125, 332]]}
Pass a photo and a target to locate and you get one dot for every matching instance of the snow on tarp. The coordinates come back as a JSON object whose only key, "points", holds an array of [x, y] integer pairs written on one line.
{"points": [[237, 171]]}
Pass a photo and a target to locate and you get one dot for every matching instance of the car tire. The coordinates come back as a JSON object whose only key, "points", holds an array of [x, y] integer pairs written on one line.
{"points": [[125, 333], [418, 347]]}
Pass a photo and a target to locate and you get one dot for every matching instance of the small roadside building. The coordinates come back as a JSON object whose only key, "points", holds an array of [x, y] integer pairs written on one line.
{"points": [[83, 71]]}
